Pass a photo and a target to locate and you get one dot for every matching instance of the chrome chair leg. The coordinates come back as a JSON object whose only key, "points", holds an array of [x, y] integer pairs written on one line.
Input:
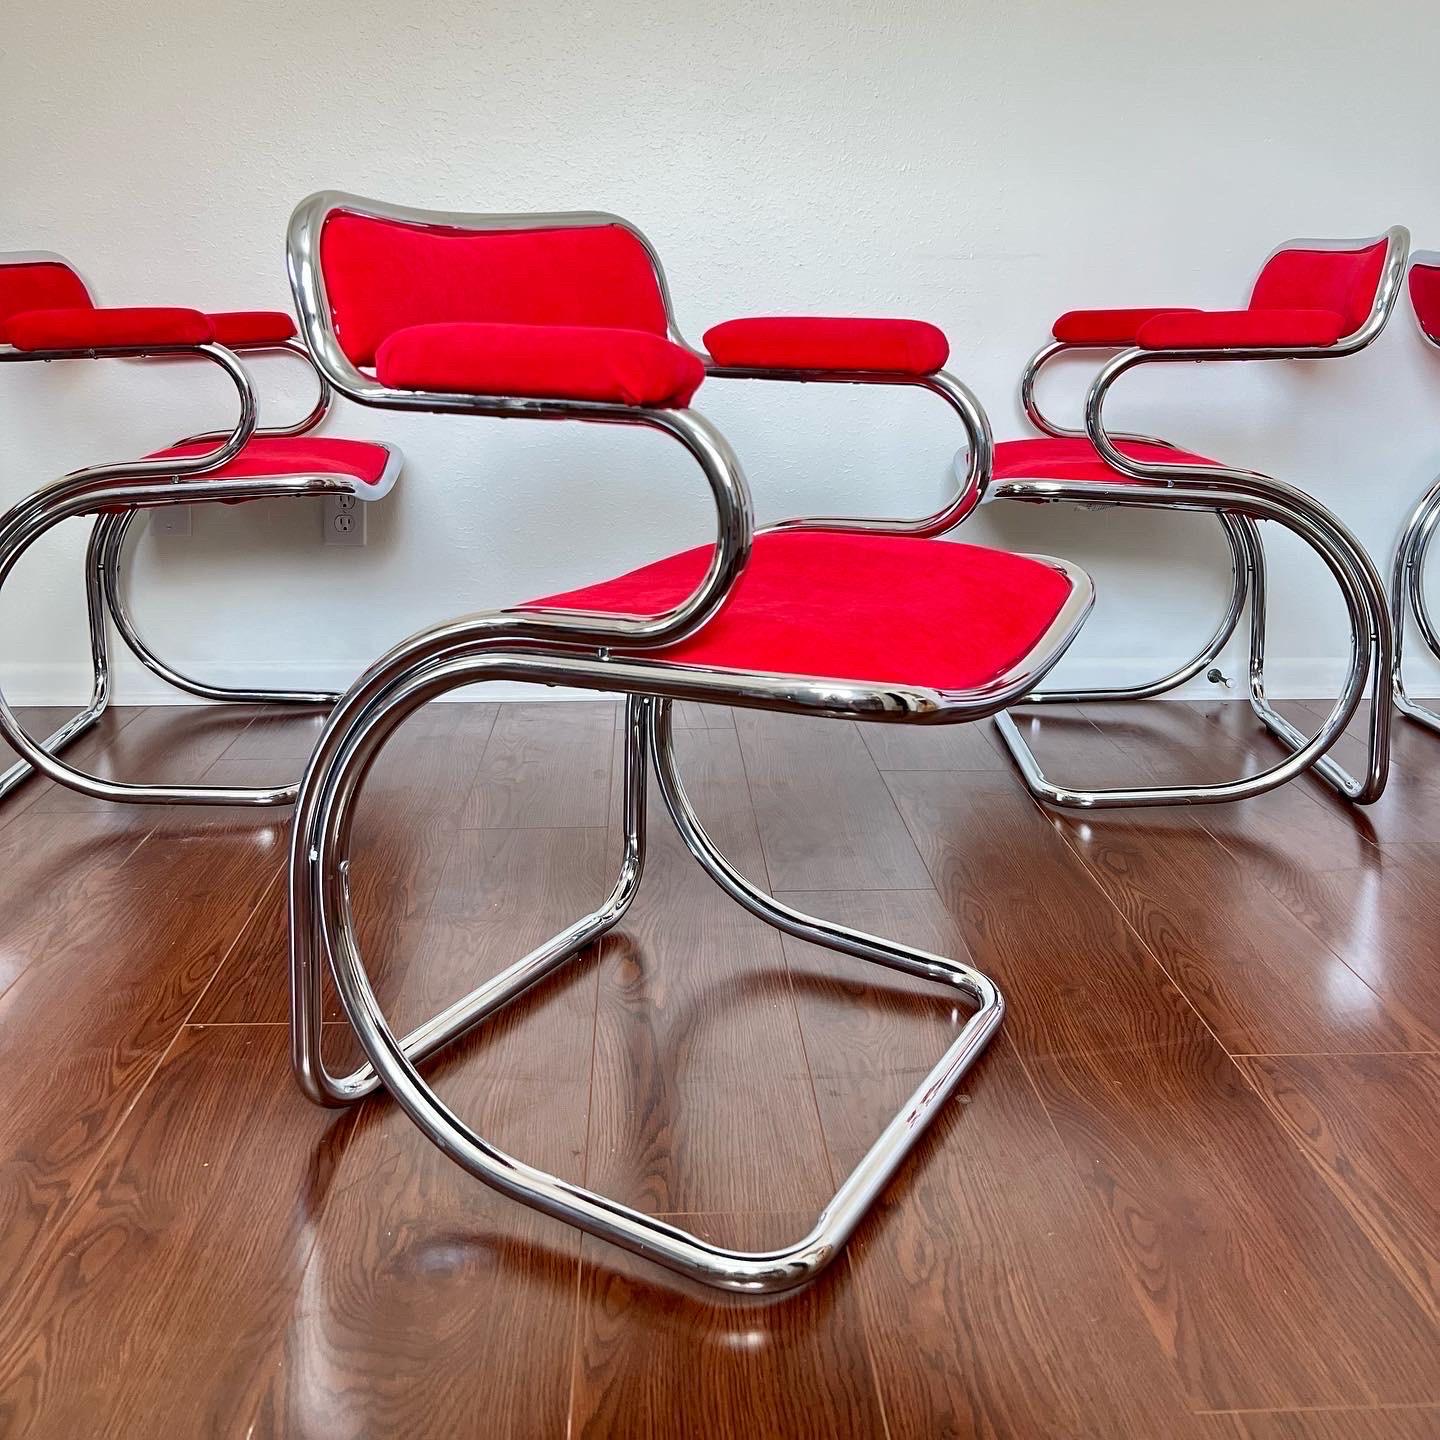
{"points": [[1247, 533], [82, 720], [306, 981], [1407, 592], [1209, 652], [1370, 661], [323, 931], [117, 601]]}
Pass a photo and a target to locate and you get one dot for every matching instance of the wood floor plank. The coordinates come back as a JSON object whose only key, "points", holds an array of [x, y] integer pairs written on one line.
{"points": [[1261, 982], [1114, 1230], [995, 1302], [163, 744], [1216, 1213], [1379, 917], [545, 765], [933, 747], [702, 1099], [84, 752], [826, 820], [661, 1357], [222, 1164], [1369, 1125], [406, 821], [115, 972], [1401, 1423]]}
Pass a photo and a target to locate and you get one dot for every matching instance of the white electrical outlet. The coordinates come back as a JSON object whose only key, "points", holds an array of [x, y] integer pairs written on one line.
{"points": [[344, 520], [170, 520]]}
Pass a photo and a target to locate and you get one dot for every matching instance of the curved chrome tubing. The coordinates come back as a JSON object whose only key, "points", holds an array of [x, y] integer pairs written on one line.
{"points": [[1407, 599], [113, 493], [509, 646], [1237, 498], [323, 926], [1370, 642], [598, 652], [109, 493]]}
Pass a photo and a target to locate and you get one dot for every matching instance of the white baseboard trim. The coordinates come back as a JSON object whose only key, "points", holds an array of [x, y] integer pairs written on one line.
{"points": [[67, 683]]}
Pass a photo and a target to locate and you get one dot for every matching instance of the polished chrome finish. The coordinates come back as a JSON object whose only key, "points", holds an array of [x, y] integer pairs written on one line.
{"points": [[1407, 570], [1258, 499], [112, 569], [82, 721], [1237, 498], [123, 487], [1042, 422], [596, 651], [325, 395], [322, 927], [1407, 594], [979, 451], [104, 557]]}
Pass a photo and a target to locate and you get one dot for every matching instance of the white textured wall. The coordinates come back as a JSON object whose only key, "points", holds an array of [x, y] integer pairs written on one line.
{"points": [[982, 165]]}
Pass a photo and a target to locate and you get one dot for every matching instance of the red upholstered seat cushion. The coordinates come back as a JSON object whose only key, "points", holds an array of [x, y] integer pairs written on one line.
{"points": [[1425, 297], [96, 329], [556, 362], [252, 327], [814, 342], [360, 460], [853, 607], [1067, 459], [1107, 327], [38, 285], [1240, 329]]}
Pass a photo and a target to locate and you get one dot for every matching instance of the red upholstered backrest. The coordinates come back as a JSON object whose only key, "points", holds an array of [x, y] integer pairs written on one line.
{"points": [[383, 275], [1344, 281], [30, 282], [1425, 295]]}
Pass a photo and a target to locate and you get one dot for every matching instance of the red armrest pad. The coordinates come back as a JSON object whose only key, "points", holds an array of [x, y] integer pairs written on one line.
{"points": [[251, 327], [118, 329], [1107, 327], [1240, 330], [816, 342], [1425, 297], [541, 362]]}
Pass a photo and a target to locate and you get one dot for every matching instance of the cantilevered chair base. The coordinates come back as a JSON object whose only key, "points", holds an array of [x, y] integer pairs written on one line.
{"points": [[106, 603], [47, 314], [222, 468], [1407, 599], [323, 930], [1370, 661], [1312, 299]]}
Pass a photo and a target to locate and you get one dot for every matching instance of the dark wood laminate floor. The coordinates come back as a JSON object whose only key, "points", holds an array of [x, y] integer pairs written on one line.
{"points": [[1190, 1191]]}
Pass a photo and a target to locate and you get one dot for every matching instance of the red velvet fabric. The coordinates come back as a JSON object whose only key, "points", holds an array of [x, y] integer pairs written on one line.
{"points": [[1344, 281], [853, 607], [558, 362], [382, 276], [38, 285], [1052, 459], [1241, 329], [1425, 297], [292, 455], [252, 327], [95, 329], [1107, 327], [817, 342]]}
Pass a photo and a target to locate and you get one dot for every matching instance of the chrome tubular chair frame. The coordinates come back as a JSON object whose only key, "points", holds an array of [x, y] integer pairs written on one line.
{"points": [[113, 494], [105, 597], [1237, 498], [1407, 570], [591, 650]]}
